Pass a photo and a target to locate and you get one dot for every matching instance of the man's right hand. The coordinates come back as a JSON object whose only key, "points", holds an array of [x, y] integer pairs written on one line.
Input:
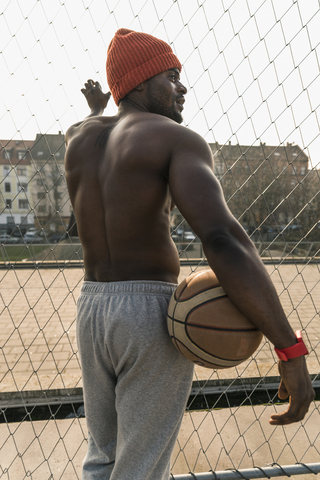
{"points": [[295, 384], [97, 100]]}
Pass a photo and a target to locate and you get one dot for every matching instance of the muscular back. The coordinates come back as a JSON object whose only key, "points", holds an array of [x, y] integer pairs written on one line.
{"points": [[117, 176]]}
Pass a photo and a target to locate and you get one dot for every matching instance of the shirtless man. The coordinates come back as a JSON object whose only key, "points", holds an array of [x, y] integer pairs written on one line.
{"points": [[124, 174]]}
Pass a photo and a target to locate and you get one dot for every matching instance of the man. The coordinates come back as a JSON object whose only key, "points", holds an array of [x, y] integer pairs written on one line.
{"points": [[124, 174]]}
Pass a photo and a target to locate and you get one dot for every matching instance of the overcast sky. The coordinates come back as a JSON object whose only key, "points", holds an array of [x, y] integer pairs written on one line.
{"points": [[251, 66]]}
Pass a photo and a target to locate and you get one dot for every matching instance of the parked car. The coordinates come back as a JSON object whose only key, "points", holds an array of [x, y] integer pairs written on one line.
{"points": [[5, 238], [32, 237], [189, 236], [294, 227], [32, 230], [18, 235], [179, 231], [188, 239], [57, 237]]}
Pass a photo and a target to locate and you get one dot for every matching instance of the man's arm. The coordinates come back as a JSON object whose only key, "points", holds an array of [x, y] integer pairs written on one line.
{"points": [[235, 260], [97, 102]]}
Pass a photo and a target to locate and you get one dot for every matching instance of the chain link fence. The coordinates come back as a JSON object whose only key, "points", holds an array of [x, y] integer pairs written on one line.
{"points": [[252, 73]]}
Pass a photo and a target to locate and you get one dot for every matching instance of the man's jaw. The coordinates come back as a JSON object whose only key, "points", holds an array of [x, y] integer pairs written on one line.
{"points": [[180, 101]]}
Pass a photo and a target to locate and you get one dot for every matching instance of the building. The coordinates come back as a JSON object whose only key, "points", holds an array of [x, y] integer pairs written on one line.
{"points": [[33, 191], [50, 195], [265, 186], [15, 184]]}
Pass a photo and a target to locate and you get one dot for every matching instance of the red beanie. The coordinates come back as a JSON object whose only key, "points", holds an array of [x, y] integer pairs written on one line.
{"points": [[134, 57]]}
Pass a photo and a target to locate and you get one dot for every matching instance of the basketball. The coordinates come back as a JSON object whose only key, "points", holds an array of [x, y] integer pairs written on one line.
{"points": [[206, 327]]}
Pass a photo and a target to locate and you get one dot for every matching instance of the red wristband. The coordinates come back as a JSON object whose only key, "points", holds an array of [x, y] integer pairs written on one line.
{"points": [[296, 350]]}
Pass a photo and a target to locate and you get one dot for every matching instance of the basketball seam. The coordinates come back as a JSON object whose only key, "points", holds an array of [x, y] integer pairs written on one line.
{"points": [[214, 328], [175, 305], [208, 353], [219, 329], [178, 298], [206, 361], [215, 362], [253, 329], [176, 342], [198, 293]]}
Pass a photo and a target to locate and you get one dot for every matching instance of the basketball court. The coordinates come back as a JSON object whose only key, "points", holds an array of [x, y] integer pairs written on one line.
{"points": [[206, 438]]}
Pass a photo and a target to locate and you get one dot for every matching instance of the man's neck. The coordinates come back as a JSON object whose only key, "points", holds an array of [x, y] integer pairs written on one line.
{"points": [[131, 105]]}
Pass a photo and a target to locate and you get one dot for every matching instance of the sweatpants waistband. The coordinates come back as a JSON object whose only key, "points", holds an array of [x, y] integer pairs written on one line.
{"points": [[129, 287]]}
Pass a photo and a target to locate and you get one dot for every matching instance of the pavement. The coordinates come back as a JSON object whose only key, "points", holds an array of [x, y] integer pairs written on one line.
{"points": [[38, 338], [39, 352]]}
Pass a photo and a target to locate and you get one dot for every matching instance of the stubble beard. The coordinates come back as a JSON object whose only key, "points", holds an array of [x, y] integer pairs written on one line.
{"points": [[159, 107]]}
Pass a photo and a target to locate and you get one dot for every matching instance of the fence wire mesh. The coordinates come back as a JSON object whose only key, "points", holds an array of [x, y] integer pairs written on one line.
{"points": [[252, 72]]}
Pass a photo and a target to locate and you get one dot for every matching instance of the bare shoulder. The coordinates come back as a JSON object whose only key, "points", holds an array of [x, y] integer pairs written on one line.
{"points": [[190, 148], [81, 138], [178, 138], [86, 130], [184, 141]]}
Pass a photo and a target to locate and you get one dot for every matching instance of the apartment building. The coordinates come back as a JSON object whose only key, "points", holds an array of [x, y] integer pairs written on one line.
{"points": [[50, 195], [33, 191], [263, 184], [15, 184]]}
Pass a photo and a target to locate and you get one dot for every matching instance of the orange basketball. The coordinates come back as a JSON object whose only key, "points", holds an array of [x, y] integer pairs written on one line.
{"points": [[206, 327]]}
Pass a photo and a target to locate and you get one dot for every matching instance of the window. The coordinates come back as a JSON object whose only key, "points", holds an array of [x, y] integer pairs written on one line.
{"points": [[6, 170], [40, 195], [8, 202], [21, 154], [303, 170], [23, 186], [7, 187], [7, 153], [42, 209], [22, 171], [10, 220], [23, 204]]}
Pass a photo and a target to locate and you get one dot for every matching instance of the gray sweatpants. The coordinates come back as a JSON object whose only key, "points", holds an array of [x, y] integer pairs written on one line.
{"points": [[136, 384]]}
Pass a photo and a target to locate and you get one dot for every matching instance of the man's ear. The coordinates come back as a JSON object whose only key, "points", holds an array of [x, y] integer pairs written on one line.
{"points": [[141, 86]]}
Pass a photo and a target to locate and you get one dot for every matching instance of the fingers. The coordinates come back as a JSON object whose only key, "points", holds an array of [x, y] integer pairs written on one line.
{"points": [[291, 415], [90, 85], [96, 99], [107, 97], [295, 383], [282, 391]]}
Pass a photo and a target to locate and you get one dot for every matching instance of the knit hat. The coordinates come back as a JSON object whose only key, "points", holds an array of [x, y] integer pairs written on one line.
{"points": [[134, 57]]}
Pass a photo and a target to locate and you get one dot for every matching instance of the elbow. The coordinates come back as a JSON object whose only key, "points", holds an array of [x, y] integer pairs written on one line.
{"points": [[219, 240]]}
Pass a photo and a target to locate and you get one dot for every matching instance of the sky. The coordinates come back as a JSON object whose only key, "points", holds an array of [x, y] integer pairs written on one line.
{"points": [[251, 66]]}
